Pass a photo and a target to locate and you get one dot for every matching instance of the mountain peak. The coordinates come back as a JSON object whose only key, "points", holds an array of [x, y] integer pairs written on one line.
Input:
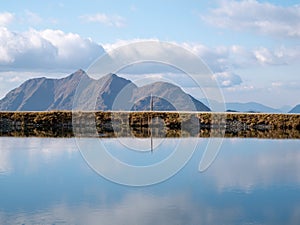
{"points": [[112, 76], [296, 109], [43, 94], [79, 73], [76, 76]]}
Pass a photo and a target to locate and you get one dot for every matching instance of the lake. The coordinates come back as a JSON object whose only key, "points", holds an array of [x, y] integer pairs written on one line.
{"points": [[48, 181]]}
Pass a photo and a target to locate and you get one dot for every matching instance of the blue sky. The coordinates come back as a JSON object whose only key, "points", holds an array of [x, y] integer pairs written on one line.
{"points": [[252, 47]]}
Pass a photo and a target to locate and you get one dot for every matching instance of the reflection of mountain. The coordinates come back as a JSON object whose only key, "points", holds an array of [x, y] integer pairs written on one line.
{"points": [[43, 94], [296, 109]]}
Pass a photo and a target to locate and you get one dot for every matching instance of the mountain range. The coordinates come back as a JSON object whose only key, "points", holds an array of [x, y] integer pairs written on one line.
{"points": [[110, 92], [296, 109], [249, 107]]}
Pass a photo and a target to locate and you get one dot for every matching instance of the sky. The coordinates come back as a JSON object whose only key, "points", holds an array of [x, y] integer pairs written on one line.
{"points": [[252, 47]]}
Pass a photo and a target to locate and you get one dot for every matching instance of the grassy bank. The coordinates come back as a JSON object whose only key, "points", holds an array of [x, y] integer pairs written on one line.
{"points": [[144, 124]]}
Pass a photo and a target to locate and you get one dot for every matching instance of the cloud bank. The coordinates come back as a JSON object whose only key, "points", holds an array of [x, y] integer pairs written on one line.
{"points": [[259, 17], [46, 49]]}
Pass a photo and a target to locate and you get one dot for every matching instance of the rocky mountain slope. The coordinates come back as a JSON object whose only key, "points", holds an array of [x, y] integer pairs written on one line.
{"points": [[110, 92], [296, 109]]}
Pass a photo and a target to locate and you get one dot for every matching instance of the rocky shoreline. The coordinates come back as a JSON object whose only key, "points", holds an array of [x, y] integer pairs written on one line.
{"points": [[145, 124]]}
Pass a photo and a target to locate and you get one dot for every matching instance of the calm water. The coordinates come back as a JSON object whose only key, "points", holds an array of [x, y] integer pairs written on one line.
{"points": [[47, 181]]}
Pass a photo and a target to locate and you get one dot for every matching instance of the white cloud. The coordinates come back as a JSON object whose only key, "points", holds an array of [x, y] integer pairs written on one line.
{"points": [[54, 49], [6, 18], [216, 58], [46, 49], [275, 57], [264, 56], [26, 18], [222, 58], [32, 18], [219, 59], [288, 85], [108, 20], [278, 56], [119, 43], [264, 18], [227, 79], [243, 88]]}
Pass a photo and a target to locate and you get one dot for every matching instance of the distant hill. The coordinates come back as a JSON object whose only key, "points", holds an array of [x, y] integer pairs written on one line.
{"points": [[244, 107], [42, 94], [250, 107], [296, 109], [285, 108]]}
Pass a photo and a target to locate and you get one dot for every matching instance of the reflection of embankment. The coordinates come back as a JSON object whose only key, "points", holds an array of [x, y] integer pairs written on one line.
{"points": [[146, 124]]}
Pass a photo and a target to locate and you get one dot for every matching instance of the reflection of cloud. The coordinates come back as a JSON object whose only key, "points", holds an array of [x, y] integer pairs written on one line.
{"points": [[295, 215], [136, 209], [136, 168], [47, 149], [263, 163], [5, 166], [242, 164]]}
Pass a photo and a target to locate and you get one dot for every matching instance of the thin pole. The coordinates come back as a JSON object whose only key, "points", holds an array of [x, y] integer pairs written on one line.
{"points": [[151, 103], [151, 109]]}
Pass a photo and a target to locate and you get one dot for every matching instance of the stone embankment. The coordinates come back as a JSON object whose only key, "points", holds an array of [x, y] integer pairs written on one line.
{"points": [[146, 124]]}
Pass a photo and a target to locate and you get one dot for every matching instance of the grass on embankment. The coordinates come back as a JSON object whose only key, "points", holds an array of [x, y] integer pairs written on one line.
{"points": [[242, 124]]}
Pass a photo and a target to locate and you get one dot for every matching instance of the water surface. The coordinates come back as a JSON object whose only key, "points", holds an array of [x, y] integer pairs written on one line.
{"points": [[252, 181]]}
